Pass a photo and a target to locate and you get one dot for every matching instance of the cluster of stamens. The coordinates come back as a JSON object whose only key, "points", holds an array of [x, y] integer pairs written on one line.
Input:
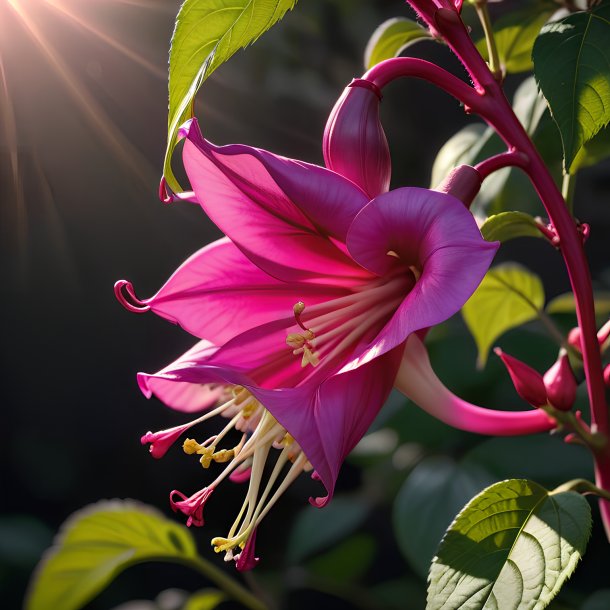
{"points": [[261, 432]]}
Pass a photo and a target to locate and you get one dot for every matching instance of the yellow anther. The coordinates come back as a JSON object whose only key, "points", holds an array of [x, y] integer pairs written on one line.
{"points": [[295, 340], [249, 409], [190, 446], [309, 357], [221, 544], [298, 308], [224, 455], [207, 455]]}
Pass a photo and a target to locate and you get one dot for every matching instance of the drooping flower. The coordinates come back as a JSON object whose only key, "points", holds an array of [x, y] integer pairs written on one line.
{"points": [[309, 301]]}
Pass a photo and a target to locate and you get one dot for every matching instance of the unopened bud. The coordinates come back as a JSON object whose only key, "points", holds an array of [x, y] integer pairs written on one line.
{"points": [[575, 338], [355, 144], [607, 375], [560, 384], [463, 183], [527, 381], [603, 333]]}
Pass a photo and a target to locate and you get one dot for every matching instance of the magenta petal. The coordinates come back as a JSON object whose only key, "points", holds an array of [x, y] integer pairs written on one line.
{"points": [[433, 233], [247, 559], [185, 397], [218, 293], [331, 421], [278, 211]]}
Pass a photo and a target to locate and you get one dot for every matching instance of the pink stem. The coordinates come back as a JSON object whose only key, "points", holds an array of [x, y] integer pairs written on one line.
{"points": [[511, 158], [499, 114], [391, 69]]}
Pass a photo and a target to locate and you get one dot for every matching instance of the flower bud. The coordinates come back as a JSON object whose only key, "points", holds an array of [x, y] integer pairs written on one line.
{"points": [[463, 182], [527, 381], [354, 142], [575, 338], [560, 384], [607, 375]]}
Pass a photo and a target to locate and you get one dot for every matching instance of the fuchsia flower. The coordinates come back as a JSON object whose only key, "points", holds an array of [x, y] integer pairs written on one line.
{"points": [[304, 308]]}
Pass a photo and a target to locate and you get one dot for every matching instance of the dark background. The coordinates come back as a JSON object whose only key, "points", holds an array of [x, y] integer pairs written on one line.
{"points": [[82, 136]]}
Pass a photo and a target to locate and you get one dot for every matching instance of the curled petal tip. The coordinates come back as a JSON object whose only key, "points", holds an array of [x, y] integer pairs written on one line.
{"points": [[126, 296], [367, 84], [164, 194]]}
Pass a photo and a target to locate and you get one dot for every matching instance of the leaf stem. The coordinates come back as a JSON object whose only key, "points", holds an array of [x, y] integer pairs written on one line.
{"points": [[492, 50], [581, 486], [568, 186], [226, 583]]}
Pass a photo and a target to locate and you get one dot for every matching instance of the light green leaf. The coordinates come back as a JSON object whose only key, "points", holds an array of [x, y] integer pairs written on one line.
{"points": [[509, 225], [508, 296], [97, 543], [572, 67], [317, 528], [391, 38], [515, 34], [595, 150], [207, 599], [207, 33], [564, 303], [512, 546], [427, 502]]}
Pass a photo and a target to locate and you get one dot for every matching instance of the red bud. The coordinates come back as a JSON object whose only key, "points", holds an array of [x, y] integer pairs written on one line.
{"points": [[560, 384], [527, 381]]}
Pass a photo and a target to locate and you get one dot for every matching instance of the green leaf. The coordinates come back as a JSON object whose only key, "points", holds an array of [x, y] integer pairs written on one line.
{"points": [[509, 225], [206, 599], [317, 528], [347, 561], [541, 457], [208, 33], [427, 502], [512, 546], [508, 296], [572, 67], [595, 150], [97, 543], [515, 34], [391, 38], [564, 303]]}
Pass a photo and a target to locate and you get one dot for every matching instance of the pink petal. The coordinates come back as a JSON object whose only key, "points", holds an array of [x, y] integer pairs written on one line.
{"points": [[186, 397], [417, 380], [432, 232], [218, 293], [280, 212]]}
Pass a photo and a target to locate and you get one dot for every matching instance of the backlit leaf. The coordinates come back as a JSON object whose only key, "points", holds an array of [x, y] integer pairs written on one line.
{"points": [[508, 296], [572, 67], [515, 34], [207, 33], [97, 543], [509, 225], [564, 303], [391, 38], [512, 546]]}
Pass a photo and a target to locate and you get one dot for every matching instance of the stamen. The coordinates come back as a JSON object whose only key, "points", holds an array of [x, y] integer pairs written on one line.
{"points": [[303, 343]]}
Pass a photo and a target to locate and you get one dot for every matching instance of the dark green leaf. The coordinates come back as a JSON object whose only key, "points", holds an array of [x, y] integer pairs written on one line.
{"points": [[347, 561], [99, 542], [512, 546], [391, 38], [509, 225], [427, 502], [207, 33], [542, 457], [508, 296], [515, 34], [317, 528], [572, 67]]}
